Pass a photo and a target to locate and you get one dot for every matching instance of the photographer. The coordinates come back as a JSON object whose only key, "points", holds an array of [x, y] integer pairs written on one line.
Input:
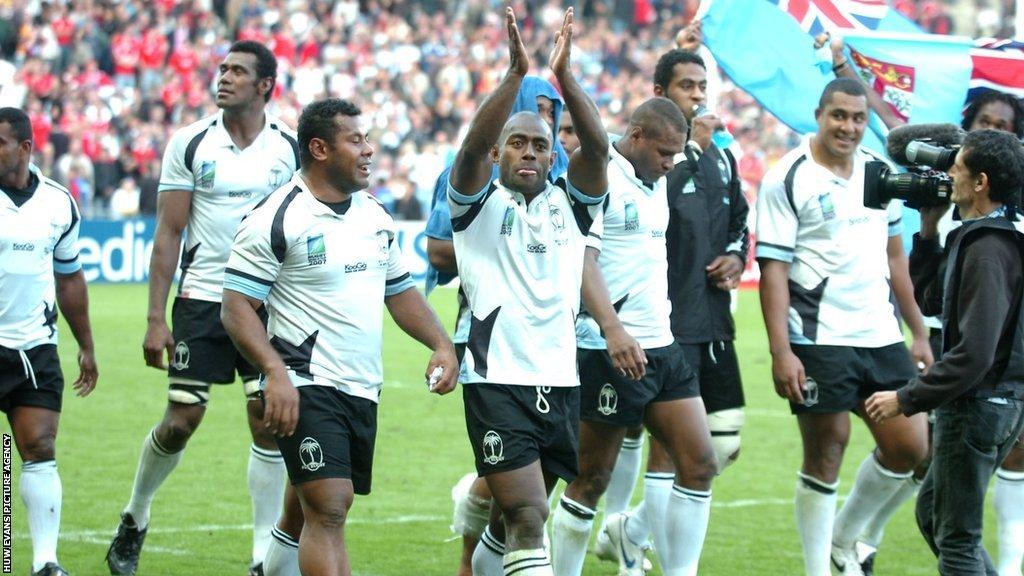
{"points": [[978, 385]]}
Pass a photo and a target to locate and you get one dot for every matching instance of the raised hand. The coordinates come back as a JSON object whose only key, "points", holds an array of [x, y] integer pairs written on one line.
{"points": [[519, 61], [559, 60]]}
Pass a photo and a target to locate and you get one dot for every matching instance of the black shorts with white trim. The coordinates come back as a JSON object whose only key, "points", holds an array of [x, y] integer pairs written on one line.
{"points": [[31, 378], [513, 426], [334, 438], [609, 397]]}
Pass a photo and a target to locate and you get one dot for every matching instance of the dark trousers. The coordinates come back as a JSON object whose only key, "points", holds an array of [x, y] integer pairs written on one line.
{"points": [[972, 437]]}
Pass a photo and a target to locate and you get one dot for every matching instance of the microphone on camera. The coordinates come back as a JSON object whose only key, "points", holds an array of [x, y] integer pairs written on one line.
{"points": [[939, 135]]}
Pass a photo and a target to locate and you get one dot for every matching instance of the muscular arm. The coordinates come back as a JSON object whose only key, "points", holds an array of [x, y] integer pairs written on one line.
{"points": [[243, 325], [173, 207], [875, 101], [787, 370], [441, 254], [417, 319], [472, 168], [73, 300], [626, 354], [588, 165], [899, 277]]}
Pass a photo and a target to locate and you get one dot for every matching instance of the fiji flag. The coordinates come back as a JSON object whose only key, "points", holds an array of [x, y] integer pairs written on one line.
{"points": [[767, 48]]}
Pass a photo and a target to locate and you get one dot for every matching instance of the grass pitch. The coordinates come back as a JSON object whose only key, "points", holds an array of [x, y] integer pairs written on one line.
{"points": [[201, 517]]}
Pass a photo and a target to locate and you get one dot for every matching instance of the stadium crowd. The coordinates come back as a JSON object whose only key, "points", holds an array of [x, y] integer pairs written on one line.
{"points": [[106, 83]]}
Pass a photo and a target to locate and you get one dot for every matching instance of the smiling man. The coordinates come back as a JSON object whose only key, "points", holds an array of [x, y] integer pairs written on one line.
{"points": [[214, 172], [828, 265]]}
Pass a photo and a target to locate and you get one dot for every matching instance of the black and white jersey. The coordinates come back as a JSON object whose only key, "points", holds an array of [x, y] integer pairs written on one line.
{"points": [[226, 183], [521, 268], [836, 247], [633, 259], [324, 275], [38, 237]]}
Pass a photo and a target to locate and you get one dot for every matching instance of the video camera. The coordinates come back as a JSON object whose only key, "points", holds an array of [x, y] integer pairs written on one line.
{"points": [[928, 152]]}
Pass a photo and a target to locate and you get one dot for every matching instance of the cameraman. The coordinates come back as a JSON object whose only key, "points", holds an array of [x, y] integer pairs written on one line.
{"points": [[977, 387]]}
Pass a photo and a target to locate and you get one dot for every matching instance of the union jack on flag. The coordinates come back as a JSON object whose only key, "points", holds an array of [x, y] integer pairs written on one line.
{"points": [[817, 16], [998, 65]]}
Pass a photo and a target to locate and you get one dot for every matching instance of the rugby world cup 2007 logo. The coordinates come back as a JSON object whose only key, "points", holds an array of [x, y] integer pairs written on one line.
{"points": [[494, 450], [207, 175], [316, 250]]}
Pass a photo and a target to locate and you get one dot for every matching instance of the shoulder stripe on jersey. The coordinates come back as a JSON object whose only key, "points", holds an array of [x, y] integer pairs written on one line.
{"points": [[74, 216], [248, 276], [193, 145], [277, 240], [790, 176], [461, 222], [292, 141], [580, 211]]}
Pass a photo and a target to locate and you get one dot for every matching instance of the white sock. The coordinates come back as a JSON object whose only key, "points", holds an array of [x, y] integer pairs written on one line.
{"points": [[488, 556], [1009, 505], [282, 557], [155, 465], [657, 490], [686, 524], [624, 476], [872, 492], [638, 529], [527, 563], [266, 477], [875, 529], [815, 508], [41, 492], [571, 523]]}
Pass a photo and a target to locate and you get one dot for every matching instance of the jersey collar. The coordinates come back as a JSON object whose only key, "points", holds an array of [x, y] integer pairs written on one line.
{"points": [[623, 165], [220, 137], [316, 207]]}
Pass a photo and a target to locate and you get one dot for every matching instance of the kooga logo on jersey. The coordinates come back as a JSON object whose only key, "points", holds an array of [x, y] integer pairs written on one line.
{"points": [[536, 248], [357, 267]]}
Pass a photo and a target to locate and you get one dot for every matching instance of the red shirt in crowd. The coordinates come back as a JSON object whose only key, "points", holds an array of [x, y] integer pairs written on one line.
{"points": [[63, 29], [184, 60], [154, 50], [42, 126], [127, 51]]}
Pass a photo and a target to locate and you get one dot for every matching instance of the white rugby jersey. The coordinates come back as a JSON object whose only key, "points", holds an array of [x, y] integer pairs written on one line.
{"points": [[37, 239], [324, 277], [633, 259], [839, 271], [226, 183], [521, 268]]}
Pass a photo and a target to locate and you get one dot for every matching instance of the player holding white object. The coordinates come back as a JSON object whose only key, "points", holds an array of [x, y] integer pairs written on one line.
{"points": [[520, 243], [214, 172], [39, 272]]}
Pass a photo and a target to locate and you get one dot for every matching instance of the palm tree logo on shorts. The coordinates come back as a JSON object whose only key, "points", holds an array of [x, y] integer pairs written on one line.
{"points": [[494, 450], [608, 400], [181, 356], [310, 454]]}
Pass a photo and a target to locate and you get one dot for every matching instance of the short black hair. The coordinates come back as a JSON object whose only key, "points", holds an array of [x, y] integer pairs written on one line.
{"points": [[266, 62], [989, 96], [665, 69], [317, 121], [848, 86], [656, 115], [20, 124], [1000, 156]]}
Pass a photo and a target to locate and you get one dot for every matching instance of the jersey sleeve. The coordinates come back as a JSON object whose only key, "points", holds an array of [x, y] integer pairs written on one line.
{"points": [[174, 174], [398, 278], [776, 220], [464, 208], [65, 252], [596, 232], [894, 214], [586, 210], [252, 267]]}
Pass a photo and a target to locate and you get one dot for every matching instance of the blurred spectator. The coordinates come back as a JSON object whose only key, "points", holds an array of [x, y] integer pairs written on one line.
{"points": [[124, 203]]}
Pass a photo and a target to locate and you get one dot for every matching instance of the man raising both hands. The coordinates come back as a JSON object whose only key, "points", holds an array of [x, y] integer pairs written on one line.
{"points": [[520, 241]]}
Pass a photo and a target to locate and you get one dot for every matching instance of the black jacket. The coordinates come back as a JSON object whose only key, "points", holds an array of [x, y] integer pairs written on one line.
{"points": [[977, 284], [706, 219]]}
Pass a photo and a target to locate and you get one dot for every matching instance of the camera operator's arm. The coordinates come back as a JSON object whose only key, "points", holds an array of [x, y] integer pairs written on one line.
{"points": [[842, 68], [990, 277], [899, 277], [926, 262]]}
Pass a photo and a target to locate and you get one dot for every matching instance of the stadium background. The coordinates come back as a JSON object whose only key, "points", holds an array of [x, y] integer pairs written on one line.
{"points": [[107, 82]]}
